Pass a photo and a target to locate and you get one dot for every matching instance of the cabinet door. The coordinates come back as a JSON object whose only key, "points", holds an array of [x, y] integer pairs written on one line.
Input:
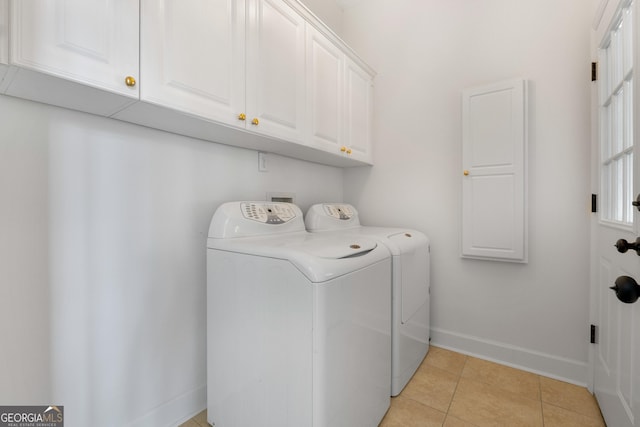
{"points": [[358, 115], [92, 42], [4, 37], [494, 204], [276, 70], [192, 57], [325, 86]]}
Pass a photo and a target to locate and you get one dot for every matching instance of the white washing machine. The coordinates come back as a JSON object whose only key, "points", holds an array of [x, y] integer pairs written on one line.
{"points": [[410, 284], [298, 324]]}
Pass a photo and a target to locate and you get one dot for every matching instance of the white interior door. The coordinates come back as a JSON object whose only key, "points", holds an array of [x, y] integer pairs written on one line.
{"points": [[616, 353]]}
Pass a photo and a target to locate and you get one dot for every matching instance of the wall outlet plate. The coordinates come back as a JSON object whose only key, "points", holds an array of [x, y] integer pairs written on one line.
{"points": [[262, 162]]}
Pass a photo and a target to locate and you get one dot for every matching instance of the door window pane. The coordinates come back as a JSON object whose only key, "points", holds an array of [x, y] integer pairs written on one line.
{"points": [[628, 185], [616, 122]]}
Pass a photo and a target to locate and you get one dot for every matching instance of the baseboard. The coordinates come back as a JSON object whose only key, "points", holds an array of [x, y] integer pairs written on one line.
{"points": [[568, 370], [176, 411]]}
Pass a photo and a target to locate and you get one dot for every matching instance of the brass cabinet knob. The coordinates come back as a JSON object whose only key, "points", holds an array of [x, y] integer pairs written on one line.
{"points": [[130, 81], [465, 173], [348, 150], [343, 148], [255, 121], [242, 116]]}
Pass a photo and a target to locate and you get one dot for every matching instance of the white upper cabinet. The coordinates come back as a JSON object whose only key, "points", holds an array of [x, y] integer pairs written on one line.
{"points": [[87, 41], [197, 60], [192, 57], [276, 70], [79, 54], [339, 100], [358, 114], [260, 74], [325, 92]]}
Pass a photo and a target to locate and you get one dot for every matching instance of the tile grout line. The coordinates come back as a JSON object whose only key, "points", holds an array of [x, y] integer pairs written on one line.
{"points": [[575, 412], [453, 395], [599, 418], [541, 401]]}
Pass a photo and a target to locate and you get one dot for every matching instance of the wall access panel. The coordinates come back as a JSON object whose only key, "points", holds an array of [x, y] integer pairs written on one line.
{"points": [[494, 181]]}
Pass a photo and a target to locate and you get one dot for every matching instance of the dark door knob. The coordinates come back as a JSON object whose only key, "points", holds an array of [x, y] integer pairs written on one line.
{"points": [[627, 289], [623, 246], [636, 202]]}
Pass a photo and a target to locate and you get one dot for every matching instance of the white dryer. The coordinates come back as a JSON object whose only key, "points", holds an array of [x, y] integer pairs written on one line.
{"points": [[410, 252], [298, 324]]}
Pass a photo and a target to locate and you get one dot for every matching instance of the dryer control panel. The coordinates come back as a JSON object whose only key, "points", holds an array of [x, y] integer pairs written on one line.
{"points": [[342, 212], [268, 213], [331, 216]]}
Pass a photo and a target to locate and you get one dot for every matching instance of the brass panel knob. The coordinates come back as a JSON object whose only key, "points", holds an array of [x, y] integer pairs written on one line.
{"points": [[465, 173], [343, 148], [255, 121], [242, 116], [348, 150], [130, 81]]}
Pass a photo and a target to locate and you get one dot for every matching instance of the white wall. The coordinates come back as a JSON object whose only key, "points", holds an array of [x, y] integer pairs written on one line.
{"points": [[426, 52], [329, 12], [103, 228]]}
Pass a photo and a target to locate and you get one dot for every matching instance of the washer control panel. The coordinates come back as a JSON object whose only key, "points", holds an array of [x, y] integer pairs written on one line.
{"points": [[268, 213], [343, 212]]}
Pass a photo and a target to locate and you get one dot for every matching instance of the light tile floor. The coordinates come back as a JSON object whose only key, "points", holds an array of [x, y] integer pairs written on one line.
{"points": [[199, 420], [453, 390]]}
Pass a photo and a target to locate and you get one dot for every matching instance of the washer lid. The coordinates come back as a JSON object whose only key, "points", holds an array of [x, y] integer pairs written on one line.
{"points": [[320, 257]]}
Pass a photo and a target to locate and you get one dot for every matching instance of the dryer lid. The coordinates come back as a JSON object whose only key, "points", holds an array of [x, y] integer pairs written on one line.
{"points": [[337, 247], [403, 240]]}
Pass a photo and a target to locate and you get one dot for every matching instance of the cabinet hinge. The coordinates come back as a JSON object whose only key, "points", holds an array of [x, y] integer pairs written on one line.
{"points": [[594, 71], [594, 203], [593, 333]]}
